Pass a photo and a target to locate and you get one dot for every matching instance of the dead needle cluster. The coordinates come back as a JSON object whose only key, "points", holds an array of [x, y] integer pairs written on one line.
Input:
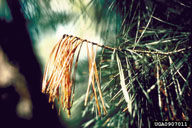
{"points": [[59, 74]]}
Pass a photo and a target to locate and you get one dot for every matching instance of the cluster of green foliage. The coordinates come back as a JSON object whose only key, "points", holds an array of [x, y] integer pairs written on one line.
{"points": [[146, 78]]}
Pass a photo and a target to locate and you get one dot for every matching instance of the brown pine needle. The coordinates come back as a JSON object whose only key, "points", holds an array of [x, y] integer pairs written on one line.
{"points": [[99, 88], [89, 82], [93, 80]]}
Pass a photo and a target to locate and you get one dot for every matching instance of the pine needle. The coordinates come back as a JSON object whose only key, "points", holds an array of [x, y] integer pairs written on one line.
{"points": [[123, 86]]}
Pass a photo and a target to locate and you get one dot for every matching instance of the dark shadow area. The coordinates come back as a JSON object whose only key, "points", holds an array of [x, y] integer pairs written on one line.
{"points": [[16, 44]]}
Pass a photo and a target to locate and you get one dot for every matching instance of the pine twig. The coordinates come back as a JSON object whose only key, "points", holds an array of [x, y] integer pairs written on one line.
{"points": [[133, 51]]}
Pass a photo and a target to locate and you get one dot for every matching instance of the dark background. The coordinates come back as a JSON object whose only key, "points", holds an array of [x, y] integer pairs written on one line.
{"points": [[16, 43]]}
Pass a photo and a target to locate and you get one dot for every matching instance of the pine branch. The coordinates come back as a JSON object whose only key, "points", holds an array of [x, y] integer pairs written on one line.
{"points": [[59, 81]]}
